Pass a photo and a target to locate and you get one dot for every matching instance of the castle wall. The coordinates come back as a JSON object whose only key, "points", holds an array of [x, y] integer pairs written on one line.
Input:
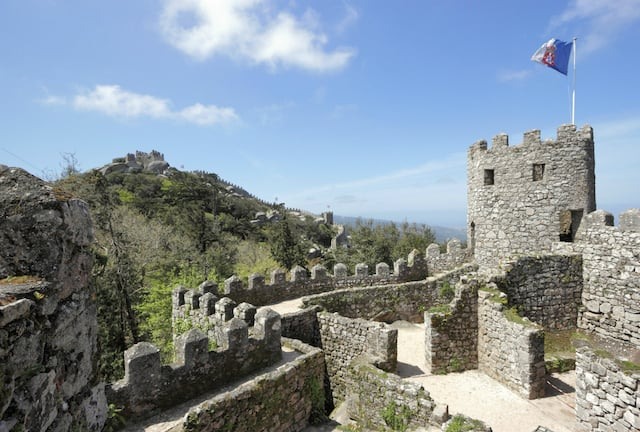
{"points": [[148, 386], [389, 303], [451, 335], [378, 400], [611, 267], [517, 196], [280, 401], [607, 398], [301, 282], [547, 288], [344, 339], [455, 257], [48, 325], [302, 325], [510, 352]]}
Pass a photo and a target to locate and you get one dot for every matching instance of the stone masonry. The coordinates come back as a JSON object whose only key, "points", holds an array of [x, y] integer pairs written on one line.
{"points": [[522, 199], [510, 349], [48, 324], [451, 334], [148, 386]]}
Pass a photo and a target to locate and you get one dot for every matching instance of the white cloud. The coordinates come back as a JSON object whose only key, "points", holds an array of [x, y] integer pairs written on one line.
{"points": [[247, 29], [416, 189], [601, 20], [53, 100], [351, 15], [114, 101], [508, 76], [207, 114]]}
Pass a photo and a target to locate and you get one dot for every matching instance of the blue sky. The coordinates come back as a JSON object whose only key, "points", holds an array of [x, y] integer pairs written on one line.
{"points": [[366, 107]]}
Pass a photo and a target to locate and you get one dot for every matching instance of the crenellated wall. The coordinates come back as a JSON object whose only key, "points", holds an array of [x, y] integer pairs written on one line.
{"points": [[284, 400], [510, 349], [148, 386], [301, 282], [344, 339], [451, 332], [521, 199], [455, 257], [611, 268], [389, 303]]}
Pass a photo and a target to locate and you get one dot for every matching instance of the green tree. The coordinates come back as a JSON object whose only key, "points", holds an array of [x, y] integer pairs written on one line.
{"points": [[285, 248]]}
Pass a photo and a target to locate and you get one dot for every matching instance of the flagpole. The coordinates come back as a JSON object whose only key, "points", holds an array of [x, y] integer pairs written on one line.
{"points": [[573, 97]]}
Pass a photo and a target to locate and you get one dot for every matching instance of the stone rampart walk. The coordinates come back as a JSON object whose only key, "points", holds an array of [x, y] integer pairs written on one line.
{"points": [[170, 421], [475, 394]]}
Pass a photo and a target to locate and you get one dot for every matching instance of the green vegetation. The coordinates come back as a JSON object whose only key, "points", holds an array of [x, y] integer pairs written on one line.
{"points": [[447, 291], [497, 296], [443, 309], [460, 423], [396, 418], [372, 244], [153, 233], [315, 389]]}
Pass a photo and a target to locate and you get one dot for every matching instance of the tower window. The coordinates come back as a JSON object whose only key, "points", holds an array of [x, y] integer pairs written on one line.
{"points": [[538, 172], [488, 177]]}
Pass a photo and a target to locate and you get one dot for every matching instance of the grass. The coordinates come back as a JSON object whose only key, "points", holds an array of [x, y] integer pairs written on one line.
{"points": [[497, 296], [460, 423], [443, 309]]}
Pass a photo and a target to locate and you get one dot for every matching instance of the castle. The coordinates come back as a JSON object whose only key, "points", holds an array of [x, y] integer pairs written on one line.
{"points": [[539, 259]]}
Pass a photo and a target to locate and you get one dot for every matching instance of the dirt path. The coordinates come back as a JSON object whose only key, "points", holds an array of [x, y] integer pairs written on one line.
{"points": [[475, 394]]}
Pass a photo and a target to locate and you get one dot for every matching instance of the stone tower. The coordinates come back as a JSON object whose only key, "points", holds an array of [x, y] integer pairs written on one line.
{"points": [[521, 199]]}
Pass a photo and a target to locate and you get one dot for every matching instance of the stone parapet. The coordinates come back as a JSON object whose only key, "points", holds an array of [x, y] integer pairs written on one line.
{"points": [[148, 386], [607, 397], [510, 348], [388, 303], [286, 399], [344, 339], [381, 401], [451, 332]]}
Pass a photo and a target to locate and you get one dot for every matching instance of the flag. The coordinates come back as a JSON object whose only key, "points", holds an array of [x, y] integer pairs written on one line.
{"points": [[554, 54]]}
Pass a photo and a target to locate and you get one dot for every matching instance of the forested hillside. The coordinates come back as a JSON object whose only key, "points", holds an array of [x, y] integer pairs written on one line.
{"points": [[156, 231]]}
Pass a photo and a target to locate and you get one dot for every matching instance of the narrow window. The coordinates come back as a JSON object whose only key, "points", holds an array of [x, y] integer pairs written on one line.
{"points": [[488, 177], [538, 172]]}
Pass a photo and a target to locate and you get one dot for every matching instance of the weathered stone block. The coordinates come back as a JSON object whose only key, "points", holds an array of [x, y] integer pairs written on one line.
{"points": [[192, 348]]}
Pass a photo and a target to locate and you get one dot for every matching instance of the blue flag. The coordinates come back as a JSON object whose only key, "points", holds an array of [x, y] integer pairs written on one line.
{"points": [[554, 54]]}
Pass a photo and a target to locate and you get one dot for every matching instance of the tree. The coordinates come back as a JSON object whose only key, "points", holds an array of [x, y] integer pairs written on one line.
{"points": [[285, 248]]}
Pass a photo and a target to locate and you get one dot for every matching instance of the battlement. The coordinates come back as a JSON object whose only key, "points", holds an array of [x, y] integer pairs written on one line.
{"points": [[565, 134], [302, 282], [524, 198], [149, 386]]}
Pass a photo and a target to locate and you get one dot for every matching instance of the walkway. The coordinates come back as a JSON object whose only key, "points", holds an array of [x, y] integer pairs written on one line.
{"points": [[475, 394]]}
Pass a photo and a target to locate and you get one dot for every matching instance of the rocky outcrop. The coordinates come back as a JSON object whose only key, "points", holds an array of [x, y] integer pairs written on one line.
{"points": [[48, 321]]}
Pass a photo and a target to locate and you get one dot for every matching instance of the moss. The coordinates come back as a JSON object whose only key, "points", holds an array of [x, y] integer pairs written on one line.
{"points": [[446, 291], [18, 280], [460, 423], [513, 314], [497, 296], [443, 309], [314, 388]]}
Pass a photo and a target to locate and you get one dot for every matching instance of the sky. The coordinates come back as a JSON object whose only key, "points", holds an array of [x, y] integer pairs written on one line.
{"points": [[362, 107]]}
